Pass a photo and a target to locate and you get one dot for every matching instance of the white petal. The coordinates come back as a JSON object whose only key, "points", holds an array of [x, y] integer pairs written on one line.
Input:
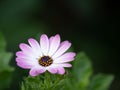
{"points": [[20, 59], [63, 47], [23, 55], [27, 49], [54, 44], [51, 38], [35, 46], [26, 64], [65, 65], [58, 68], [64, 60], [67, 57], [44, 43]]}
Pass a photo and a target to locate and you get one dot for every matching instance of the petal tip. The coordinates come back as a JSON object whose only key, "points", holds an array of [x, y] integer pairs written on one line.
{"points": [[74, 54], [30, 39], [57, 35], [17, 53], [43, 35], [21, 45]]}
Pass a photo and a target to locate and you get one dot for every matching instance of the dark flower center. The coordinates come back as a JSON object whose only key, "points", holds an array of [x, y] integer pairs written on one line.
{"points": [[45, 61]]}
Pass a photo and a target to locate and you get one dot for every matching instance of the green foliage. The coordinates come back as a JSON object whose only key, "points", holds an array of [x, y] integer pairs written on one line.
{"points": [[100, 82], [45, 81], [4, 61], [82, 70], [77, 79], [5, 69]]}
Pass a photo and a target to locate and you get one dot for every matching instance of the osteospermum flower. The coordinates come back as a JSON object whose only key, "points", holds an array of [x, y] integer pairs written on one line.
{"points": [[49, 55]]}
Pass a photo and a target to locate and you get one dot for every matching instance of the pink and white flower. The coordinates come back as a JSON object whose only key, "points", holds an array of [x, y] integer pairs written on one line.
{"points": [[48, 55]]}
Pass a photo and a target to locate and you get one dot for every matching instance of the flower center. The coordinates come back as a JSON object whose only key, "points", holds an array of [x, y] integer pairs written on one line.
{"points": [[45, 61]]}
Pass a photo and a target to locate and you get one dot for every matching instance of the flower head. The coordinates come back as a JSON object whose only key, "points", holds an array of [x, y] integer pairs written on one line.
{"points": [[49, 55]]}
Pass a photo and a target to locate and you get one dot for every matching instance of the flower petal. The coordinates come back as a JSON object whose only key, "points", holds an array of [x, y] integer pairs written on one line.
{"points": [[65, 65], [21, 54], [35, 46], [61, 70], [63, 47], [25, 65], [52, 70], [51, 38], [33, 61], [63, 60], [67, 57], [36, 70], [54, 44], [26, 49], [44, 43], [56, 68]]}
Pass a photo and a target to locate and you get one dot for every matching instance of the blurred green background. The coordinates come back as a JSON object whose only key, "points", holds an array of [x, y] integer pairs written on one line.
{"points": [[91, 25]]}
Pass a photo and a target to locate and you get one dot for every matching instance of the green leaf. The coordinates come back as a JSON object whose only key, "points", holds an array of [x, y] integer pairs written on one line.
{"points": [[4, 61], [22, 86], [5, 68], [101, 82], [2, 43], [82, 70]]}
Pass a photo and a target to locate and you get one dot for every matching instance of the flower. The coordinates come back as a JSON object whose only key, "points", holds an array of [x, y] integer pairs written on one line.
{"points": [[48, 55]]}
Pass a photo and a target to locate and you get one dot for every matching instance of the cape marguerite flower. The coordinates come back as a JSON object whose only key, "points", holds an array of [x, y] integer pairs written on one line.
{"points": [[49, 55]]}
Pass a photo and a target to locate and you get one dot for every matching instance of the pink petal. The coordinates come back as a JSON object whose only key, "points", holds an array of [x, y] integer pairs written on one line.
{"points": [[54, 44], [58, 68], [35, 46], [44, 43], [26, 49], [25, 65], [61, 70], [21, 54], [36, 71], [19, 59], [64, 46], [67, 57], [52, 70], [64, 60], [65, 65], [51, 38]]}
